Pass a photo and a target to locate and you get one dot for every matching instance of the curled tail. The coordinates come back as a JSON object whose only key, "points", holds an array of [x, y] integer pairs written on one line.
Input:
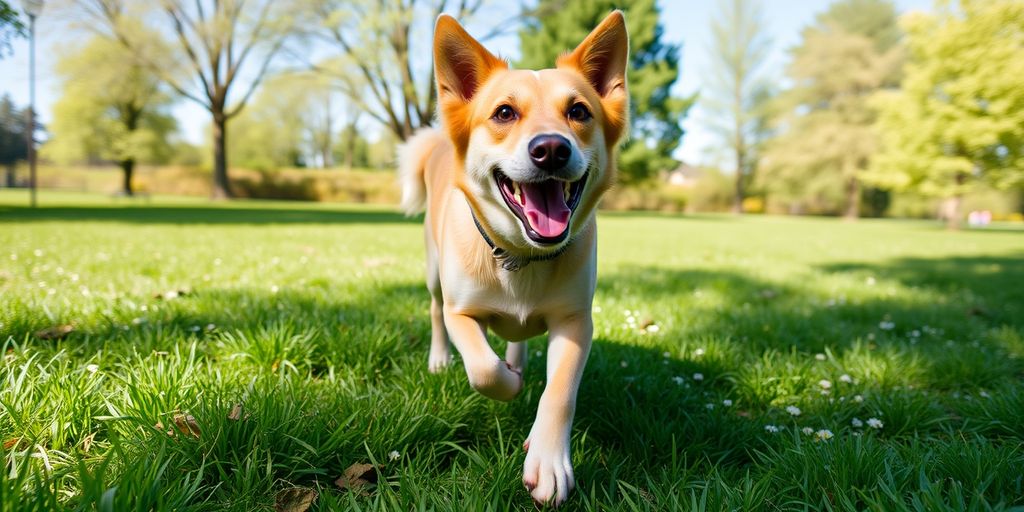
{"points": [[412, 162]]}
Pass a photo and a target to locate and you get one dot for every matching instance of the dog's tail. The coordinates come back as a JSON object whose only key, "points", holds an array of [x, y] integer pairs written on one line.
{"points": [[412, 162]]}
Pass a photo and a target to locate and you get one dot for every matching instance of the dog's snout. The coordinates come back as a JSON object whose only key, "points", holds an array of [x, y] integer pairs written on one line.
{"points": [[550, 152]]}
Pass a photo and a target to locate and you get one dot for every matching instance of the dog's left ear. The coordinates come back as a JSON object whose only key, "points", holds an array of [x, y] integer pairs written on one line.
{"points": [[602, 59]]}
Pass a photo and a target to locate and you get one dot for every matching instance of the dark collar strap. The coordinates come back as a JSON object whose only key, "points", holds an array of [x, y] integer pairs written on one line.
{"points": [[507, 260]]}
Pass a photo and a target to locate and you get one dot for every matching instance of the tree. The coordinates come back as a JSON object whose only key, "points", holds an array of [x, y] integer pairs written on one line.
{"points": [[13, 137], [735, 89], [850, 53], [10, 27], [112, 108], [269, 134], [373, 44], [221, 53], [958, 119], [556, 26]]}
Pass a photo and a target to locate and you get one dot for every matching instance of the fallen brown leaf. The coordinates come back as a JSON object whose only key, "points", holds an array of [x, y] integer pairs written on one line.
{"points": [[11, 443], [87, 442], [358, 477], [236, 412], [186, 424], [56, 332], [294, 499]]}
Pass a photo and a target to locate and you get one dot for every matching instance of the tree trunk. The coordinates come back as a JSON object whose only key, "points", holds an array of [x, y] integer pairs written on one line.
{"points": [[10, 176], [221, 185], [852, 199], [350, 155], [737, 203], [128, 168]]}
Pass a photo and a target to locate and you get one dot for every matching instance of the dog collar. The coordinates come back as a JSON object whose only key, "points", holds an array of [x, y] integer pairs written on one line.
{"points": [[508, 261]]}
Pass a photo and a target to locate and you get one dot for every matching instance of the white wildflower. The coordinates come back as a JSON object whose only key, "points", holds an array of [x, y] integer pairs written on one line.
{"points": [[825, 384], [710, 406], [623, 364], [727, 403], [793, 410], [678, 380], [846, 379], [819, 357], [823, 435], [856, 423], [698, 376], [858, 398], [807, 430], [699, 352], [875, 423], [92, 368], [394, 455], [771, 429]]}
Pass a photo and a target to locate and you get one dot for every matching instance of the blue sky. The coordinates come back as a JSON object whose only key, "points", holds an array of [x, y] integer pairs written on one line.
{"points": [[686, 22]]}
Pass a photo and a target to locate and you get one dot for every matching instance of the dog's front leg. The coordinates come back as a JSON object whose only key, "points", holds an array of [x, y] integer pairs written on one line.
{"points": [[547, 472], [488, 373]]}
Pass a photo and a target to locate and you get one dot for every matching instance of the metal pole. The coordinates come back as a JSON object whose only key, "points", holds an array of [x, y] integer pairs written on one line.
{"points": [[32, 107]]}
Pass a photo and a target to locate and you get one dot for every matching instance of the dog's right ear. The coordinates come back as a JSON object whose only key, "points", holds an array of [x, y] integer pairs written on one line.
{"points": [[461, 65]]}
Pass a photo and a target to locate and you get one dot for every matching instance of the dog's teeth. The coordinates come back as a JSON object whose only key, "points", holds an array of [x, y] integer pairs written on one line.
{"points": [[568, 188], [518, 193]]}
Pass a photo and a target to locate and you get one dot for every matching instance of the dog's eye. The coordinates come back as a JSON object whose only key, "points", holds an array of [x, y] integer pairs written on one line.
{"points": [[579, 112], [505, 114]]}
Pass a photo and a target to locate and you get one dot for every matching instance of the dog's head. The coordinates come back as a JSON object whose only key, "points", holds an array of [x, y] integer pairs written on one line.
{"points": [[537, 148]]}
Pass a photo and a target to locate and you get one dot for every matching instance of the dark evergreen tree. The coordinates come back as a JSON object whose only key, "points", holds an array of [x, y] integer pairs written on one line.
{"points": [[556, 26]]}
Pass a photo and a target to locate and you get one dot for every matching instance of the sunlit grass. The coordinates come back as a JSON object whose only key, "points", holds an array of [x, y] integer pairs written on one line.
{"points": [[314, 319]]}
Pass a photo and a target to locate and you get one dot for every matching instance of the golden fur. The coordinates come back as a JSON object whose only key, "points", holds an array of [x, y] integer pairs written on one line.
{"points": [[449, 173]]}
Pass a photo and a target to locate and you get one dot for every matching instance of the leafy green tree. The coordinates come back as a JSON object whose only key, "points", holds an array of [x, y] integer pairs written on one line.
{"points": [[10, 26], [269, 134], [218, 55], [735, 92], [13, 136], [958, 119], [828, 140], [112, 109], [351, 147], [556, 26]]}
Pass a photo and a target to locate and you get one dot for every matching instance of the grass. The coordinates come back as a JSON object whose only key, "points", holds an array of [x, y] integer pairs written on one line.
{"points": [[314, 319]]}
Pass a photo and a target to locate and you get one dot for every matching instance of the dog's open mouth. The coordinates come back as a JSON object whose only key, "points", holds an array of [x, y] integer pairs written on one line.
{"points": [[544, 207]]}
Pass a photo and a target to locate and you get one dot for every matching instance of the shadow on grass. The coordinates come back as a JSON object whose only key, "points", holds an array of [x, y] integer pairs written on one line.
{"points": [[234, 213]]}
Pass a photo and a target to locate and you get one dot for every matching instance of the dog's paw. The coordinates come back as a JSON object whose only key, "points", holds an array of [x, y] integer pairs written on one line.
{"points": [[547, 473], [439, 362], [498, 380]]}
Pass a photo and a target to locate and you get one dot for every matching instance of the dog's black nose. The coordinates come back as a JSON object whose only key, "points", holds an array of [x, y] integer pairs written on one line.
{"points": [[550, 152]]}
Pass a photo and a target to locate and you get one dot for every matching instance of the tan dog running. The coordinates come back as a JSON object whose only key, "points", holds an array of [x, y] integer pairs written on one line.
{"points": [[510, 184]]}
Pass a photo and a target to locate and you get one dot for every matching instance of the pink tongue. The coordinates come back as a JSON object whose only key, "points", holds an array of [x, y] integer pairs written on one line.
{"points": [[545, 207]]}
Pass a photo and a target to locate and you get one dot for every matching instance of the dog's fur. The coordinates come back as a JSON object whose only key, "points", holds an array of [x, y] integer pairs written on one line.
{"points": [[450, 172]]}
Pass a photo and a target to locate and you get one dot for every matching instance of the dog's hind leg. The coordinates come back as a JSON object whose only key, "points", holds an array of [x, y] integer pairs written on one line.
{"points": [[440, 348], [516, 355]]}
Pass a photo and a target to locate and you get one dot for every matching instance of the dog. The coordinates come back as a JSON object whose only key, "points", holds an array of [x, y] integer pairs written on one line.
{"points": [[510, 182]]}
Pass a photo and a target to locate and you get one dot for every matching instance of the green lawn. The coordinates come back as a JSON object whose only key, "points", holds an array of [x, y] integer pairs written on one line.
{"points": [[898, 345]]}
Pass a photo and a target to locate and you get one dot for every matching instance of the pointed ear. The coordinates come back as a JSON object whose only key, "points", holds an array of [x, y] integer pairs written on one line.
{"points": [[603, 56], [461, 63]]}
